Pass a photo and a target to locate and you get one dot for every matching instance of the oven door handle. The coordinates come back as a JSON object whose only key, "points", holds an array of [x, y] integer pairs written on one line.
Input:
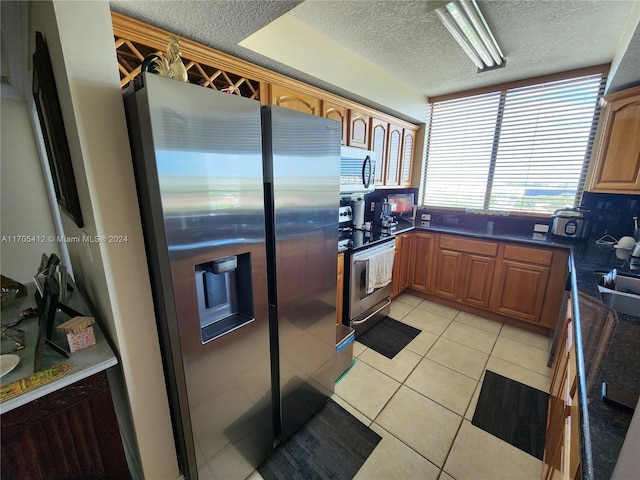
{"points": [[373, 251], [387, 303]]}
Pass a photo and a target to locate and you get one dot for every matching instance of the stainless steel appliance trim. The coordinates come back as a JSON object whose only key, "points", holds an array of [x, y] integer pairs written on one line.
{"points": [[358, 305], [360, 322], [368, 252], [354, 178]]}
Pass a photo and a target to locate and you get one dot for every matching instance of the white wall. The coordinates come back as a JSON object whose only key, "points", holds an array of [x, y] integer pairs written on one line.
{"points": [[113, 276], [26, 224]]}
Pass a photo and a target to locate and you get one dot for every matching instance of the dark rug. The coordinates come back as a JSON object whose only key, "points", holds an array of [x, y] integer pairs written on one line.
{"points": [[332, 445], [513, 412], [388, 336]]}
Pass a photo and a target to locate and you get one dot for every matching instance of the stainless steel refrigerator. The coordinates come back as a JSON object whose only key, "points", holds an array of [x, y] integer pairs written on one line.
{"points": [[239, 206]]}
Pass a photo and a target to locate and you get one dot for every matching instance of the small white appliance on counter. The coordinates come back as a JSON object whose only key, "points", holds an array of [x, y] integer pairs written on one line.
{"points": [[358, 214]]}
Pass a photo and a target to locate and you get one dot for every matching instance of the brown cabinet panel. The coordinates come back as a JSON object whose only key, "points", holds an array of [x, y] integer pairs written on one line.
{"points": [[421, 274], [294, 100], [465, 269], [379, 145], [562, 439], [338, 113], [528, 254], [477, 280], [71, 433], [461, 244], [446, 280], [406, 166], [521, 282], [358, 130], [617, 152], [394, 150], [520, 290], [402, 264]]}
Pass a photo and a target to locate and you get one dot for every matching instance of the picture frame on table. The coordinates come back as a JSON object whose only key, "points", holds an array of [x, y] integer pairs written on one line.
{"points": [[47, 103]]}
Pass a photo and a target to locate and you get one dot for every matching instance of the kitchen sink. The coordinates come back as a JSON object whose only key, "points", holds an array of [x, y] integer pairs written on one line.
{"points": [[620, 292]]}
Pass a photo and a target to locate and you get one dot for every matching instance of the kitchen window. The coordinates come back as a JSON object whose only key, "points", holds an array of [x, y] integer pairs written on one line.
{"points": [[522, 148]]}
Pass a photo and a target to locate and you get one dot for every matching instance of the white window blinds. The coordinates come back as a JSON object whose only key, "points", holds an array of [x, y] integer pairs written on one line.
{"points": [[520, 149]]}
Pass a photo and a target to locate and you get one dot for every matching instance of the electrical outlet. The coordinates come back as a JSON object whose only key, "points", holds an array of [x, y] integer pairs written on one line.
{"points": [[425, 223], [373, 206], [426, 216], [541, 228]]}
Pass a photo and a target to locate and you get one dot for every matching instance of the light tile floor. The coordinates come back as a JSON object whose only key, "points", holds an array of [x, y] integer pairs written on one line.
{"points": [[422, 401]]}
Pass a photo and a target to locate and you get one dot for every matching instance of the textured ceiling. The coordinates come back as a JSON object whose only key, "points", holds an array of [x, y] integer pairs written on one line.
{"points": [[405, 38], [536, 36]]}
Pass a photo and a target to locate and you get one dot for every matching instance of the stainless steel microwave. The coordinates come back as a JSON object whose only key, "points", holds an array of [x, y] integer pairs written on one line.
{"points": [[357, 170]]}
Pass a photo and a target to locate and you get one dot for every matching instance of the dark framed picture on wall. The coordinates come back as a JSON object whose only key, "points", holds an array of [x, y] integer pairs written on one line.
{"points": [[45, 95]]}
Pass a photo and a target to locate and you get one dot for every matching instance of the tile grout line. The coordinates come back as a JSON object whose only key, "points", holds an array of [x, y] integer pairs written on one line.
{"points": [[478, 385], [423, 356]]}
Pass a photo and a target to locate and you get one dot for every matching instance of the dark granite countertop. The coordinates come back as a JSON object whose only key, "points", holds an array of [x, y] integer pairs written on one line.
{"points": [[608, 343]]}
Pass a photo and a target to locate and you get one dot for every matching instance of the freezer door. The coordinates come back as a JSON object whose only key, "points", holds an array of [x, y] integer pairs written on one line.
{"points": [[198, 163], [303, 179]]}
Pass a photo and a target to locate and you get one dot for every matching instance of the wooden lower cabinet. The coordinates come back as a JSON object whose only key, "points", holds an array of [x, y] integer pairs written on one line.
{"points": [[478, 271], [421, 274], [71, 433], [340, 288], [464, 269], [447, 275], [529, 284], [562, 441], [402, 264], [521, 289], [521, 282]]}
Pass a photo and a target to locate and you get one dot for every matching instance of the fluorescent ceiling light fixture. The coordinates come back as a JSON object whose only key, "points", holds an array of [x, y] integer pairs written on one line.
{"points": [[465, 22]]}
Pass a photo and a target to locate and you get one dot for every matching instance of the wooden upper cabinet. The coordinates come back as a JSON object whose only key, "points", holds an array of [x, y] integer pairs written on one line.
{"points": [[336, 112], [392, 167], [379, 145], [358, 129], [616, 155], [294, 100], [406, 165]]}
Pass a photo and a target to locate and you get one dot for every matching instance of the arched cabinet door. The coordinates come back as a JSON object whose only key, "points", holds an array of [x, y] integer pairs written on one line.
{"points": [[392, 174], [358, 129], [379, 145], [294, 100], [406, 165], [617, 151], [336, 112]]}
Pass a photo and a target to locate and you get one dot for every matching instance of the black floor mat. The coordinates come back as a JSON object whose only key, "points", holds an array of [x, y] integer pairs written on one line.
{"points": [[388, 336], [332, 445], [513, 412]]}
